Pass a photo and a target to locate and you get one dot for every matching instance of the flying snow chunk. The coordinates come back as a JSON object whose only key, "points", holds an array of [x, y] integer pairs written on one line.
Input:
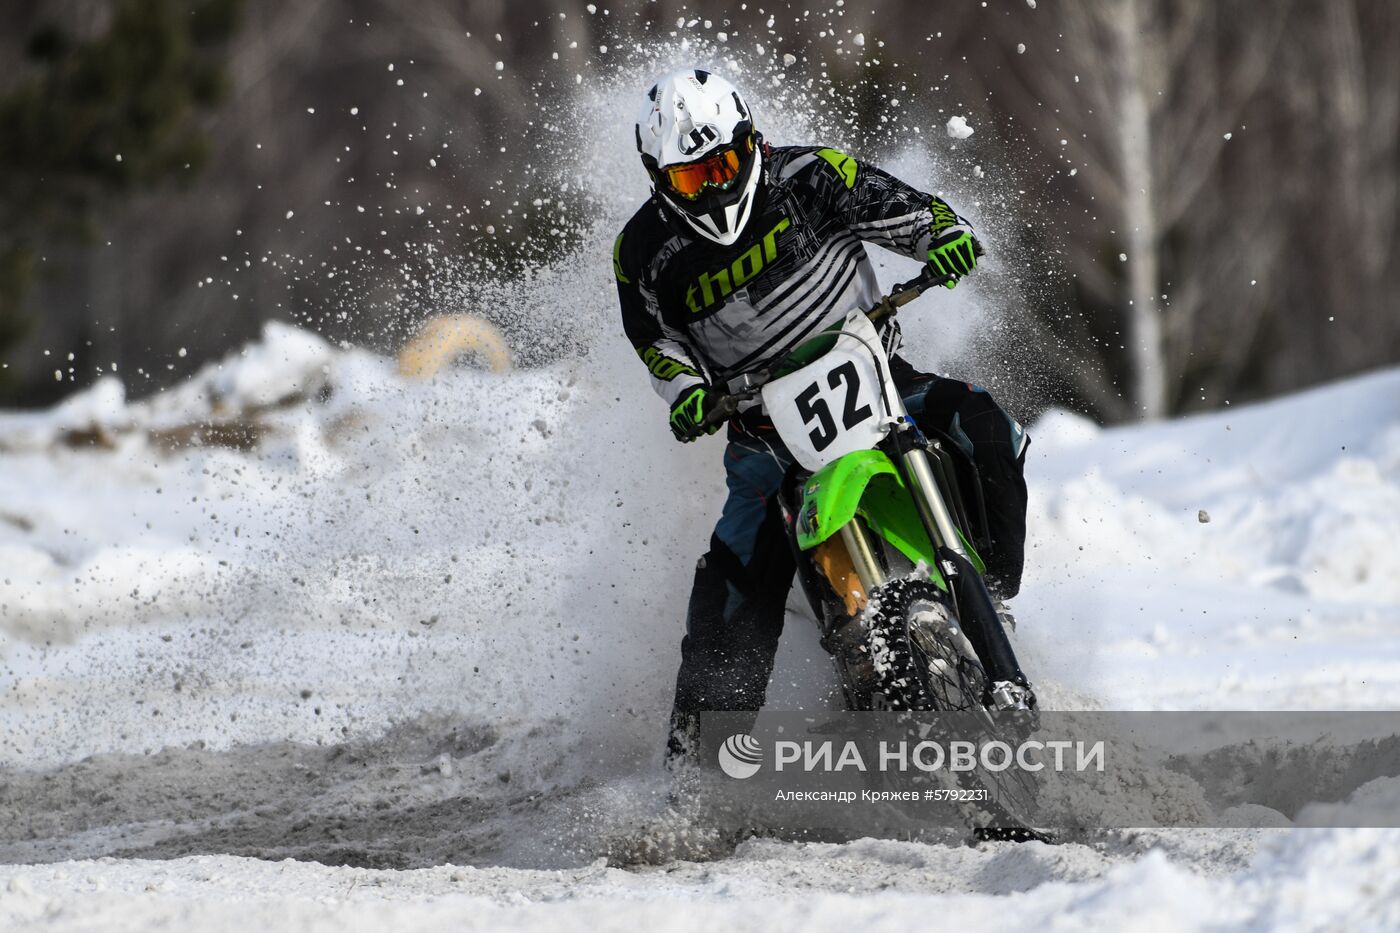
{"points": [[500, 66], [1031, 4], [958, 128], [789, 59], [1020, 48], [859, 39], [1122, 257]]}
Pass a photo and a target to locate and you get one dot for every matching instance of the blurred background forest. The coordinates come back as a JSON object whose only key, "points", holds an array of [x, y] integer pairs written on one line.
{"points": [[1216, 185]]}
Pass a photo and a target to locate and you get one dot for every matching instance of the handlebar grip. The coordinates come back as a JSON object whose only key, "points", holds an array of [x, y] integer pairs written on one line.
{"points": [[908, 286], [929, 278], [726, 406]]}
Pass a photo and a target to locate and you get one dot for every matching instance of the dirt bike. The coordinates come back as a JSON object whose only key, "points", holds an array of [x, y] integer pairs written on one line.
{"points": [[884, 520]]}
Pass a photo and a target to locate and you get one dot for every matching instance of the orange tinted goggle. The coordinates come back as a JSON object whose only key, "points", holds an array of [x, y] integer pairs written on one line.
{"points": [[718, 170]]}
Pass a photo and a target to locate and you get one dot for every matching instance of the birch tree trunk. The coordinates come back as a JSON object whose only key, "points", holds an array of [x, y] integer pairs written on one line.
{"points": [[1145, 330]]}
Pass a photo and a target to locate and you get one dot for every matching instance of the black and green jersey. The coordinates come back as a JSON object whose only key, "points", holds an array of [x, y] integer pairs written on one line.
{"points": [[699, 312]]}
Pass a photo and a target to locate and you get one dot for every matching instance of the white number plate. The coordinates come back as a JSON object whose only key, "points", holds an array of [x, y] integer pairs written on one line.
{"points": [[832, 406]]}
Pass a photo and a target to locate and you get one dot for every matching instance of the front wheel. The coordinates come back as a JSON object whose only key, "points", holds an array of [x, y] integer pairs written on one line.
{"points": [[923, 662], [920, 657]]}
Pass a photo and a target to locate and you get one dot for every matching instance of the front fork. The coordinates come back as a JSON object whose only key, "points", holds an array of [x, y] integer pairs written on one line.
{"points": [[1009, 688], [861, 551]]}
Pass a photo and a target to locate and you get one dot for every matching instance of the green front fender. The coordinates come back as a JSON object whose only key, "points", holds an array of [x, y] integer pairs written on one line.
{"points": [[866, 483]]}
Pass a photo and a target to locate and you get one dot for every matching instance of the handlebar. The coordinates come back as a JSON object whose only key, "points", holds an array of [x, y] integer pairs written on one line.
{"points": [[726, 404], [901, 295]]}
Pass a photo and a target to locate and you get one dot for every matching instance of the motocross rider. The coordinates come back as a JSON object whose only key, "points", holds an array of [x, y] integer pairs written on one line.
{"points": [[743, 250]]}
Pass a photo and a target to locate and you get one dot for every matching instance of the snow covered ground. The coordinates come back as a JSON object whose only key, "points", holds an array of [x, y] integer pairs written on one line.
{"points": [[423, 633], [1306, 880]]}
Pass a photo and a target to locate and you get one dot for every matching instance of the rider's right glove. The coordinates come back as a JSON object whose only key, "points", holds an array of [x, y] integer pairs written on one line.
{"points": [[688, 415]]}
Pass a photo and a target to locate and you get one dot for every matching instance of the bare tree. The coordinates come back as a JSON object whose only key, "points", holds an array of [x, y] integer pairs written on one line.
{"points": [[1144, 96]]}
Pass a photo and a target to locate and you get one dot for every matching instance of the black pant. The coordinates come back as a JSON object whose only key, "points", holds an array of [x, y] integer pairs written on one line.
{"points": [[741, 584]]}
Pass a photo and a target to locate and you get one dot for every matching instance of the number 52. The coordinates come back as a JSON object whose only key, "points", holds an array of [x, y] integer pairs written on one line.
{"points": [[811, 406]]}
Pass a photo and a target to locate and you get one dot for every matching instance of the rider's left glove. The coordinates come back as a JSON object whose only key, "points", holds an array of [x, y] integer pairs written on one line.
{"points": [[954, 251], [688, 415]]}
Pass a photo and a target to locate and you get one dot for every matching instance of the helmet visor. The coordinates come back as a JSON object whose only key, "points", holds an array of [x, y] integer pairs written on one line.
{"points": [[717, 170]]}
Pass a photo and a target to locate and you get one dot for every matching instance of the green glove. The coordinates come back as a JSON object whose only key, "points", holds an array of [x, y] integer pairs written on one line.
{"points": [[954, 251], [688, 415]]}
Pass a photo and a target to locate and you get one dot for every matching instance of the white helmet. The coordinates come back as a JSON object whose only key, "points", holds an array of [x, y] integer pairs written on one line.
{"points": [[698, 143]]}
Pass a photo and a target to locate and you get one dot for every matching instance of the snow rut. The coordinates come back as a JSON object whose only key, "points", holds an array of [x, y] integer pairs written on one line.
{"points": [[434, 791]]}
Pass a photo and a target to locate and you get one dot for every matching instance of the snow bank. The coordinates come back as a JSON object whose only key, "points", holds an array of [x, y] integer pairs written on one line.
{"points": [[1286, 595], [1300, 494], [506, 538]]}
